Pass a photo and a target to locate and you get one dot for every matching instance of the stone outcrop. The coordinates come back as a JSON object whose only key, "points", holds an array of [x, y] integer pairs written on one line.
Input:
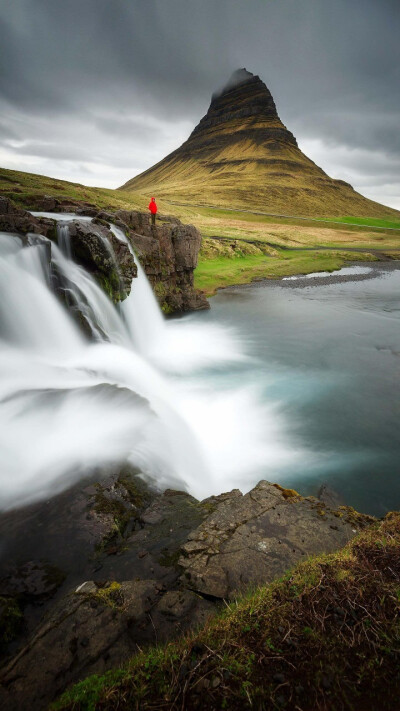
{"points": [[168, 253], [49, 203], [14, 219], [252, 539], [140, 567]]}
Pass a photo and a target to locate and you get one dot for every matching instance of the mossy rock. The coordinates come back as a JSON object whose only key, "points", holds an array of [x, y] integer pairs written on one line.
{"points": [[11, 619]]}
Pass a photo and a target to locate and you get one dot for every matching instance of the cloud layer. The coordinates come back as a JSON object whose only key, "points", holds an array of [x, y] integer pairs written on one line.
{"points": [[99, 91]]}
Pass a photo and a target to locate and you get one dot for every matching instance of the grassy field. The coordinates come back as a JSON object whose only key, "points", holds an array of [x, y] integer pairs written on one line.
{"points": [[24, 188], [326, 636], [238, 246], [371, 222], [219, 272]]}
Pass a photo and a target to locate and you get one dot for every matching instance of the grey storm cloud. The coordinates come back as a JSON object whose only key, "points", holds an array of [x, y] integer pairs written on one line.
{"points": [[138, 75]]}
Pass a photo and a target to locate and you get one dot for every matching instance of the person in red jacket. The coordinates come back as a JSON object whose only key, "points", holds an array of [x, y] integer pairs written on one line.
{"points": [[153, 210]]}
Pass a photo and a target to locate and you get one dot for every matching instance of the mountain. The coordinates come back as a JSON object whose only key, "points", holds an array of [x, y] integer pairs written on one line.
{"points": [[241, 155]]}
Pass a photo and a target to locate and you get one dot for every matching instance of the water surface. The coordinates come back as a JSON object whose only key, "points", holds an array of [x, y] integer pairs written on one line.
{"points": [[328, 357]]}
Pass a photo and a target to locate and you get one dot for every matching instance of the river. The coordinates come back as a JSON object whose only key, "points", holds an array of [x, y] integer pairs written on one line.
{"points": [[327, 358]]}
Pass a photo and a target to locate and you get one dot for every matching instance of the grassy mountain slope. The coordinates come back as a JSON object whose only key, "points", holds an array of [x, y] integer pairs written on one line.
{"points": [[26, 188], [242, 156]]}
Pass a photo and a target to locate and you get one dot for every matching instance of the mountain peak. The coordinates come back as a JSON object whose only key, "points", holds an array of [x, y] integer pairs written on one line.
{"points": [[237, 78], [244, 100], [241, 154]]}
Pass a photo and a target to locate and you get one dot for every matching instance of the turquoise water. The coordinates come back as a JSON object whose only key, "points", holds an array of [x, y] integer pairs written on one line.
{"points": [[328, 358]]}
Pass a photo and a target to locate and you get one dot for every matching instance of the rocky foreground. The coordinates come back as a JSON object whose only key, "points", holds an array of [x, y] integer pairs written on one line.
{"points": [[92, 576]]}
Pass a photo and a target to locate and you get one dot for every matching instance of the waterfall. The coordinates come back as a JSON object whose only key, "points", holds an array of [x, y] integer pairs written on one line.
{"points": [[141, 311], [63, 239], [138, 389]]}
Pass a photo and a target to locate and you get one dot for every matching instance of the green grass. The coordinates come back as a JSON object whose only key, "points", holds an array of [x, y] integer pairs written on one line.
{"points": [[212, 274], [25, 188], [371, 222], [326, 637]]}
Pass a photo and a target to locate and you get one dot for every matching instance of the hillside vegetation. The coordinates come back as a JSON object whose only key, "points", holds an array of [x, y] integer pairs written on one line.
{"points": [[238, 246], [324, 638]]}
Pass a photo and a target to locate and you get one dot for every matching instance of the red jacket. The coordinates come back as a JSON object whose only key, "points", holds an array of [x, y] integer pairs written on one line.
{"points": [[152, 206]]}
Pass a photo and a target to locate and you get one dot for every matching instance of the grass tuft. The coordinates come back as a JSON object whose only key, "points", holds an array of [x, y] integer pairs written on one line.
{"points": [[324, 637]]}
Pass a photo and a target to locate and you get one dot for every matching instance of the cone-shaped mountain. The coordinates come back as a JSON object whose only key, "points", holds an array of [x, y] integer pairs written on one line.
{"points": [[241, 155]]}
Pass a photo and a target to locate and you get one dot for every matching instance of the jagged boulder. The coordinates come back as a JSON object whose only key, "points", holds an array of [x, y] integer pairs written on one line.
{"points": [[253, 539]]}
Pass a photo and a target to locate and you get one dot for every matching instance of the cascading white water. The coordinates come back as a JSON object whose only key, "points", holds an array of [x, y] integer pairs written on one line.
{"points": [[68, 404], [146, 324]]}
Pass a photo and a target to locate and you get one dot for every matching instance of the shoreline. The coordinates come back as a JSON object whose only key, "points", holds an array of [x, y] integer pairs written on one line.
{"points": [[302, 280]]}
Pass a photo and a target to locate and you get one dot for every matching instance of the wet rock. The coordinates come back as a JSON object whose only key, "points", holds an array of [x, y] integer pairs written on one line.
{"points": [[253, 539], [114, 268], [78, 638], [13, 219], [34, 581], [329, 497]]}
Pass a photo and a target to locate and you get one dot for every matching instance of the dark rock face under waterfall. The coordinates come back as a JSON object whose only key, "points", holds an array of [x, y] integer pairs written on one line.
{"points": [[113, 268]]}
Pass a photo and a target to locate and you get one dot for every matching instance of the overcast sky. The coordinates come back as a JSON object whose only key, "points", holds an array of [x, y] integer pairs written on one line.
{"points": [[96, 91]]}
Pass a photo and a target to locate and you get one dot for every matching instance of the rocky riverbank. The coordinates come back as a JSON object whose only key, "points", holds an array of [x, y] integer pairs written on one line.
{"points": [[90, 577]]}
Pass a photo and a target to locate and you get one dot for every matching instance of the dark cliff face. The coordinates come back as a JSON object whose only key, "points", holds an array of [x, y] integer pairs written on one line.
{"points": [[245, 97], [168, 253]]}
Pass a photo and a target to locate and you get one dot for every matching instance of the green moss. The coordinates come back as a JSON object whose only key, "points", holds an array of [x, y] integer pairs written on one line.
{"points": [[11, 618], [169, 559], [135, 495], [162, 293], [111, 284], [130, 497], [354, 517], [288, 493], [109, 595], [52, 232]]}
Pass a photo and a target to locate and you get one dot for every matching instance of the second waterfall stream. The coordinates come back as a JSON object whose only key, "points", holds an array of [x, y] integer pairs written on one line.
{"points": [[165, 396]]}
